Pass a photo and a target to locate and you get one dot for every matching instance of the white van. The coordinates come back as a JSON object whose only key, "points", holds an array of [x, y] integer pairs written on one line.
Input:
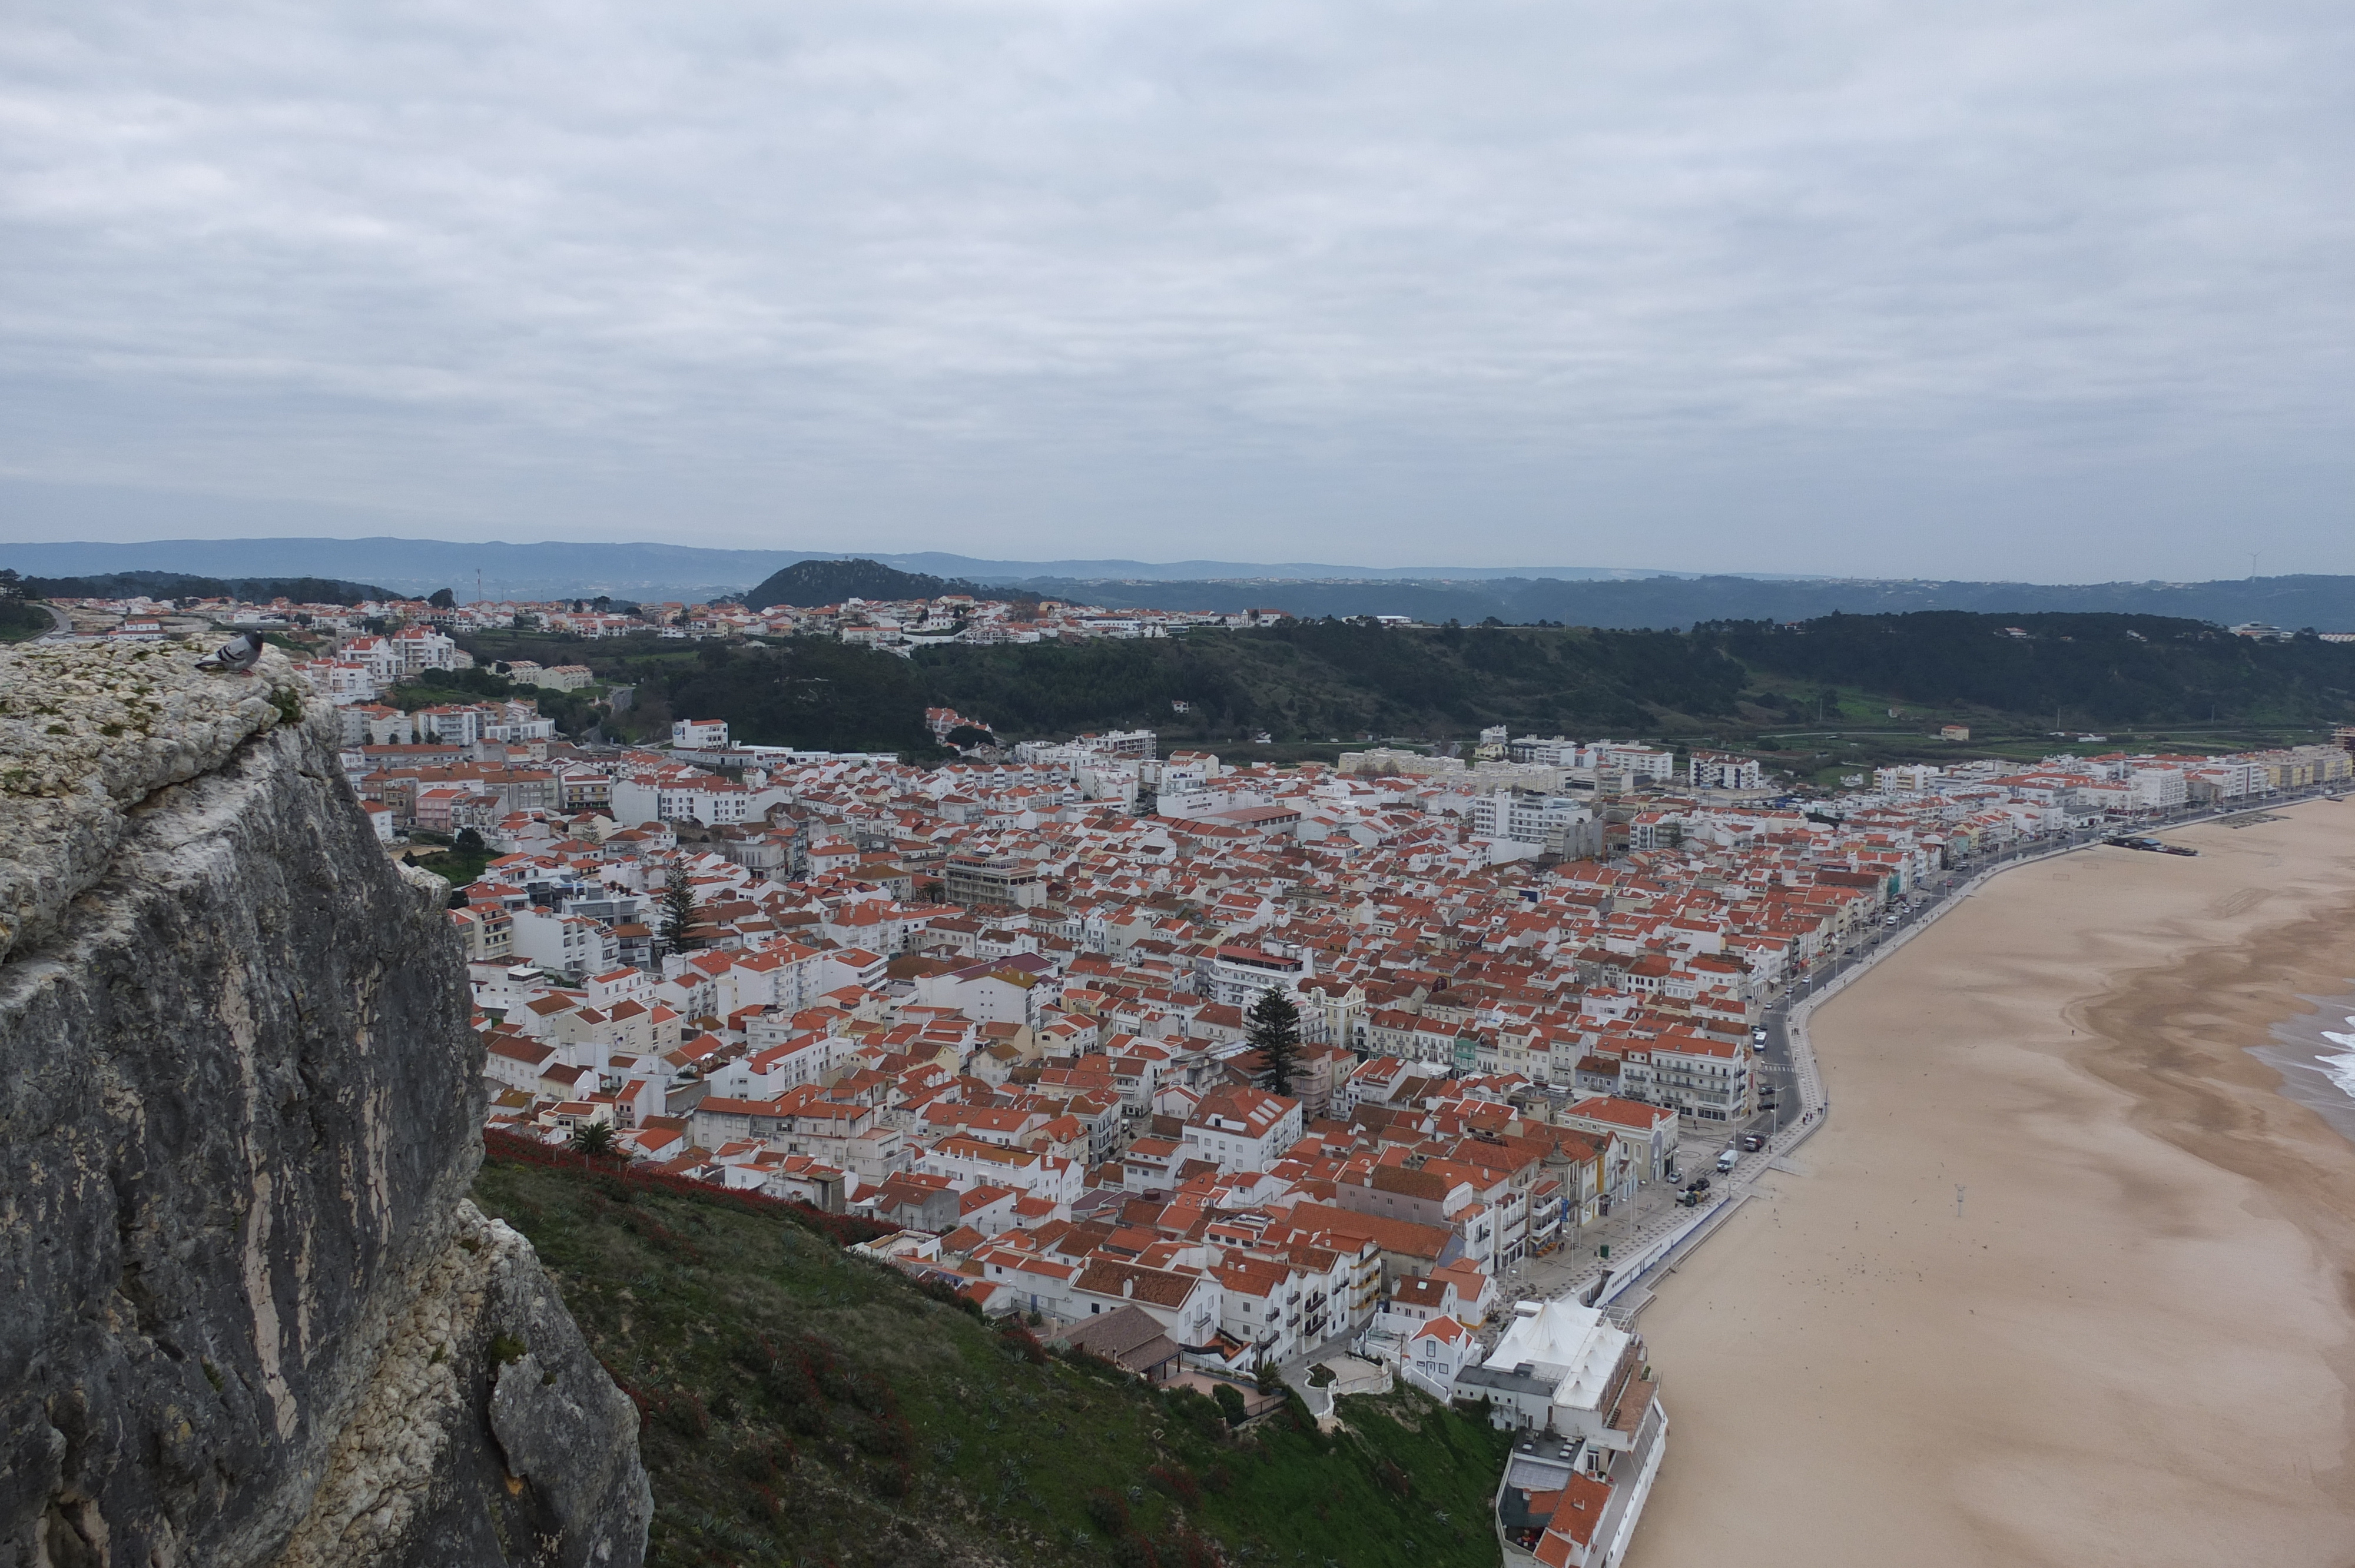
{"points": [[1727, 1161]]}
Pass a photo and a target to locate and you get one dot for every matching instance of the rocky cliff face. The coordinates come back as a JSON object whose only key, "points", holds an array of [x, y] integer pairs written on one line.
{"points": [[250, 1318]]}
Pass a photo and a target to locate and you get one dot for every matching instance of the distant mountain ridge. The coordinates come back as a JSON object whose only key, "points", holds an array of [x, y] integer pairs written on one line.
{"points": [[2321, 603], [560, 569], [1604, 597]]}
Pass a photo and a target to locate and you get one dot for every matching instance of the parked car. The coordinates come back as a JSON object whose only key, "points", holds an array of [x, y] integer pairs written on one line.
{"points": [[1751, 1142]]}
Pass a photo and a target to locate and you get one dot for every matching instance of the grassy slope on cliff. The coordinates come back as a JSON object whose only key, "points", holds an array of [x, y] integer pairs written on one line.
{"points": [[805, 1406]]}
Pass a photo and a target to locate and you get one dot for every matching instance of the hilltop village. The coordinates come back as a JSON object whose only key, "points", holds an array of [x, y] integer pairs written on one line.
{"points": [[900, 626]]}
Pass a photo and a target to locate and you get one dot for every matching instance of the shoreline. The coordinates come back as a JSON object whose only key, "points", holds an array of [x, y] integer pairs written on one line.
{"points": [[2317, 1070], [2135, 1339]]}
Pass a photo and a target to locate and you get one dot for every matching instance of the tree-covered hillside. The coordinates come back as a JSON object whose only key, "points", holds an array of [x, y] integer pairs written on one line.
{"points": [[805, 1407], [180, 585], [831, 582], [2101, 669], [1322, 680], [1315, 679]]}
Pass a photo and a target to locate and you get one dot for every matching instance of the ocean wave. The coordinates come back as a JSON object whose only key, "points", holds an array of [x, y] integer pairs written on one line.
{"points": [[2340, 1069]]}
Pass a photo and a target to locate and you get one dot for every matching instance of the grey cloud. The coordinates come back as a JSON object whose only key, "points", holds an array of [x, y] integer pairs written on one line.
{"points": [[2000, 289]]}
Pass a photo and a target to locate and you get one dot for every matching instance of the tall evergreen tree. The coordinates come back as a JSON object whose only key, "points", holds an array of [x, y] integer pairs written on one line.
{"points": [[1275, 1035], [678, 910]]}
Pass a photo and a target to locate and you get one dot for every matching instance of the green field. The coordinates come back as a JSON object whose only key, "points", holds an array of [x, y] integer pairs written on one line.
{"points": [[805, 1407]]}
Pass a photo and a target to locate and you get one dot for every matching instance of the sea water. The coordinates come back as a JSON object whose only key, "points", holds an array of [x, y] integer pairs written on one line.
{"points": [[2340, 1067], [2314, 1055]]}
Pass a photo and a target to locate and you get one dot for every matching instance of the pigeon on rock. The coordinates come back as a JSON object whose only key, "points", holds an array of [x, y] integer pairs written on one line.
{"points": [[237, 656]]}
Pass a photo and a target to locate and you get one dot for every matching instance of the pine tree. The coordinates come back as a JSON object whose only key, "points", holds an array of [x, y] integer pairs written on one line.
{"points": [[678, 913], [1275, 1035]]}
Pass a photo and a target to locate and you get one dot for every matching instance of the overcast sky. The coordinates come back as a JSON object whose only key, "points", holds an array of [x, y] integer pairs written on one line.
{"points": [[2054, 290]]}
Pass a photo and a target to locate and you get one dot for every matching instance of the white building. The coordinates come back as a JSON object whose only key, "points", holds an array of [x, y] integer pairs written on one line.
{"points": [[1724, 770], [1593, 1434], [456, 725], [1242, 1129], [554, 677], [376, 654], [1520, 817], [1910, 779], [970, 1162], [565, 943], [1701, 1076], [1643, 761], [416, 648], [345, 682], [1235, 976]]}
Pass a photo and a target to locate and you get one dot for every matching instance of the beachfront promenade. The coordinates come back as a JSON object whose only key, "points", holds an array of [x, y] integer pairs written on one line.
{"points": [[1654, 1234]]}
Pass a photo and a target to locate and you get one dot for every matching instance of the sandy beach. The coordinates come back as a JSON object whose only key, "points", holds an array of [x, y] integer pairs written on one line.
{"points": [[2136, 1342]]}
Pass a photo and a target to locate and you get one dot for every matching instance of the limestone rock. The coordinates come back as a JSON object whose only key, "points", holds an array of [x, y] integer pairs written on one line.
{"points": [[87, 732], [239, 1107], [485, 1341]]}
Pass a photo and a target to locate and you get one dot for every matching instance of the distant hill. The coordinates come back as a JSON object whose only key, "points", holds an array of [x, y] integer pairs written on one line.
{"points": [[2323, 603], [181, 585], [830, 582], [1338, 678]]}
